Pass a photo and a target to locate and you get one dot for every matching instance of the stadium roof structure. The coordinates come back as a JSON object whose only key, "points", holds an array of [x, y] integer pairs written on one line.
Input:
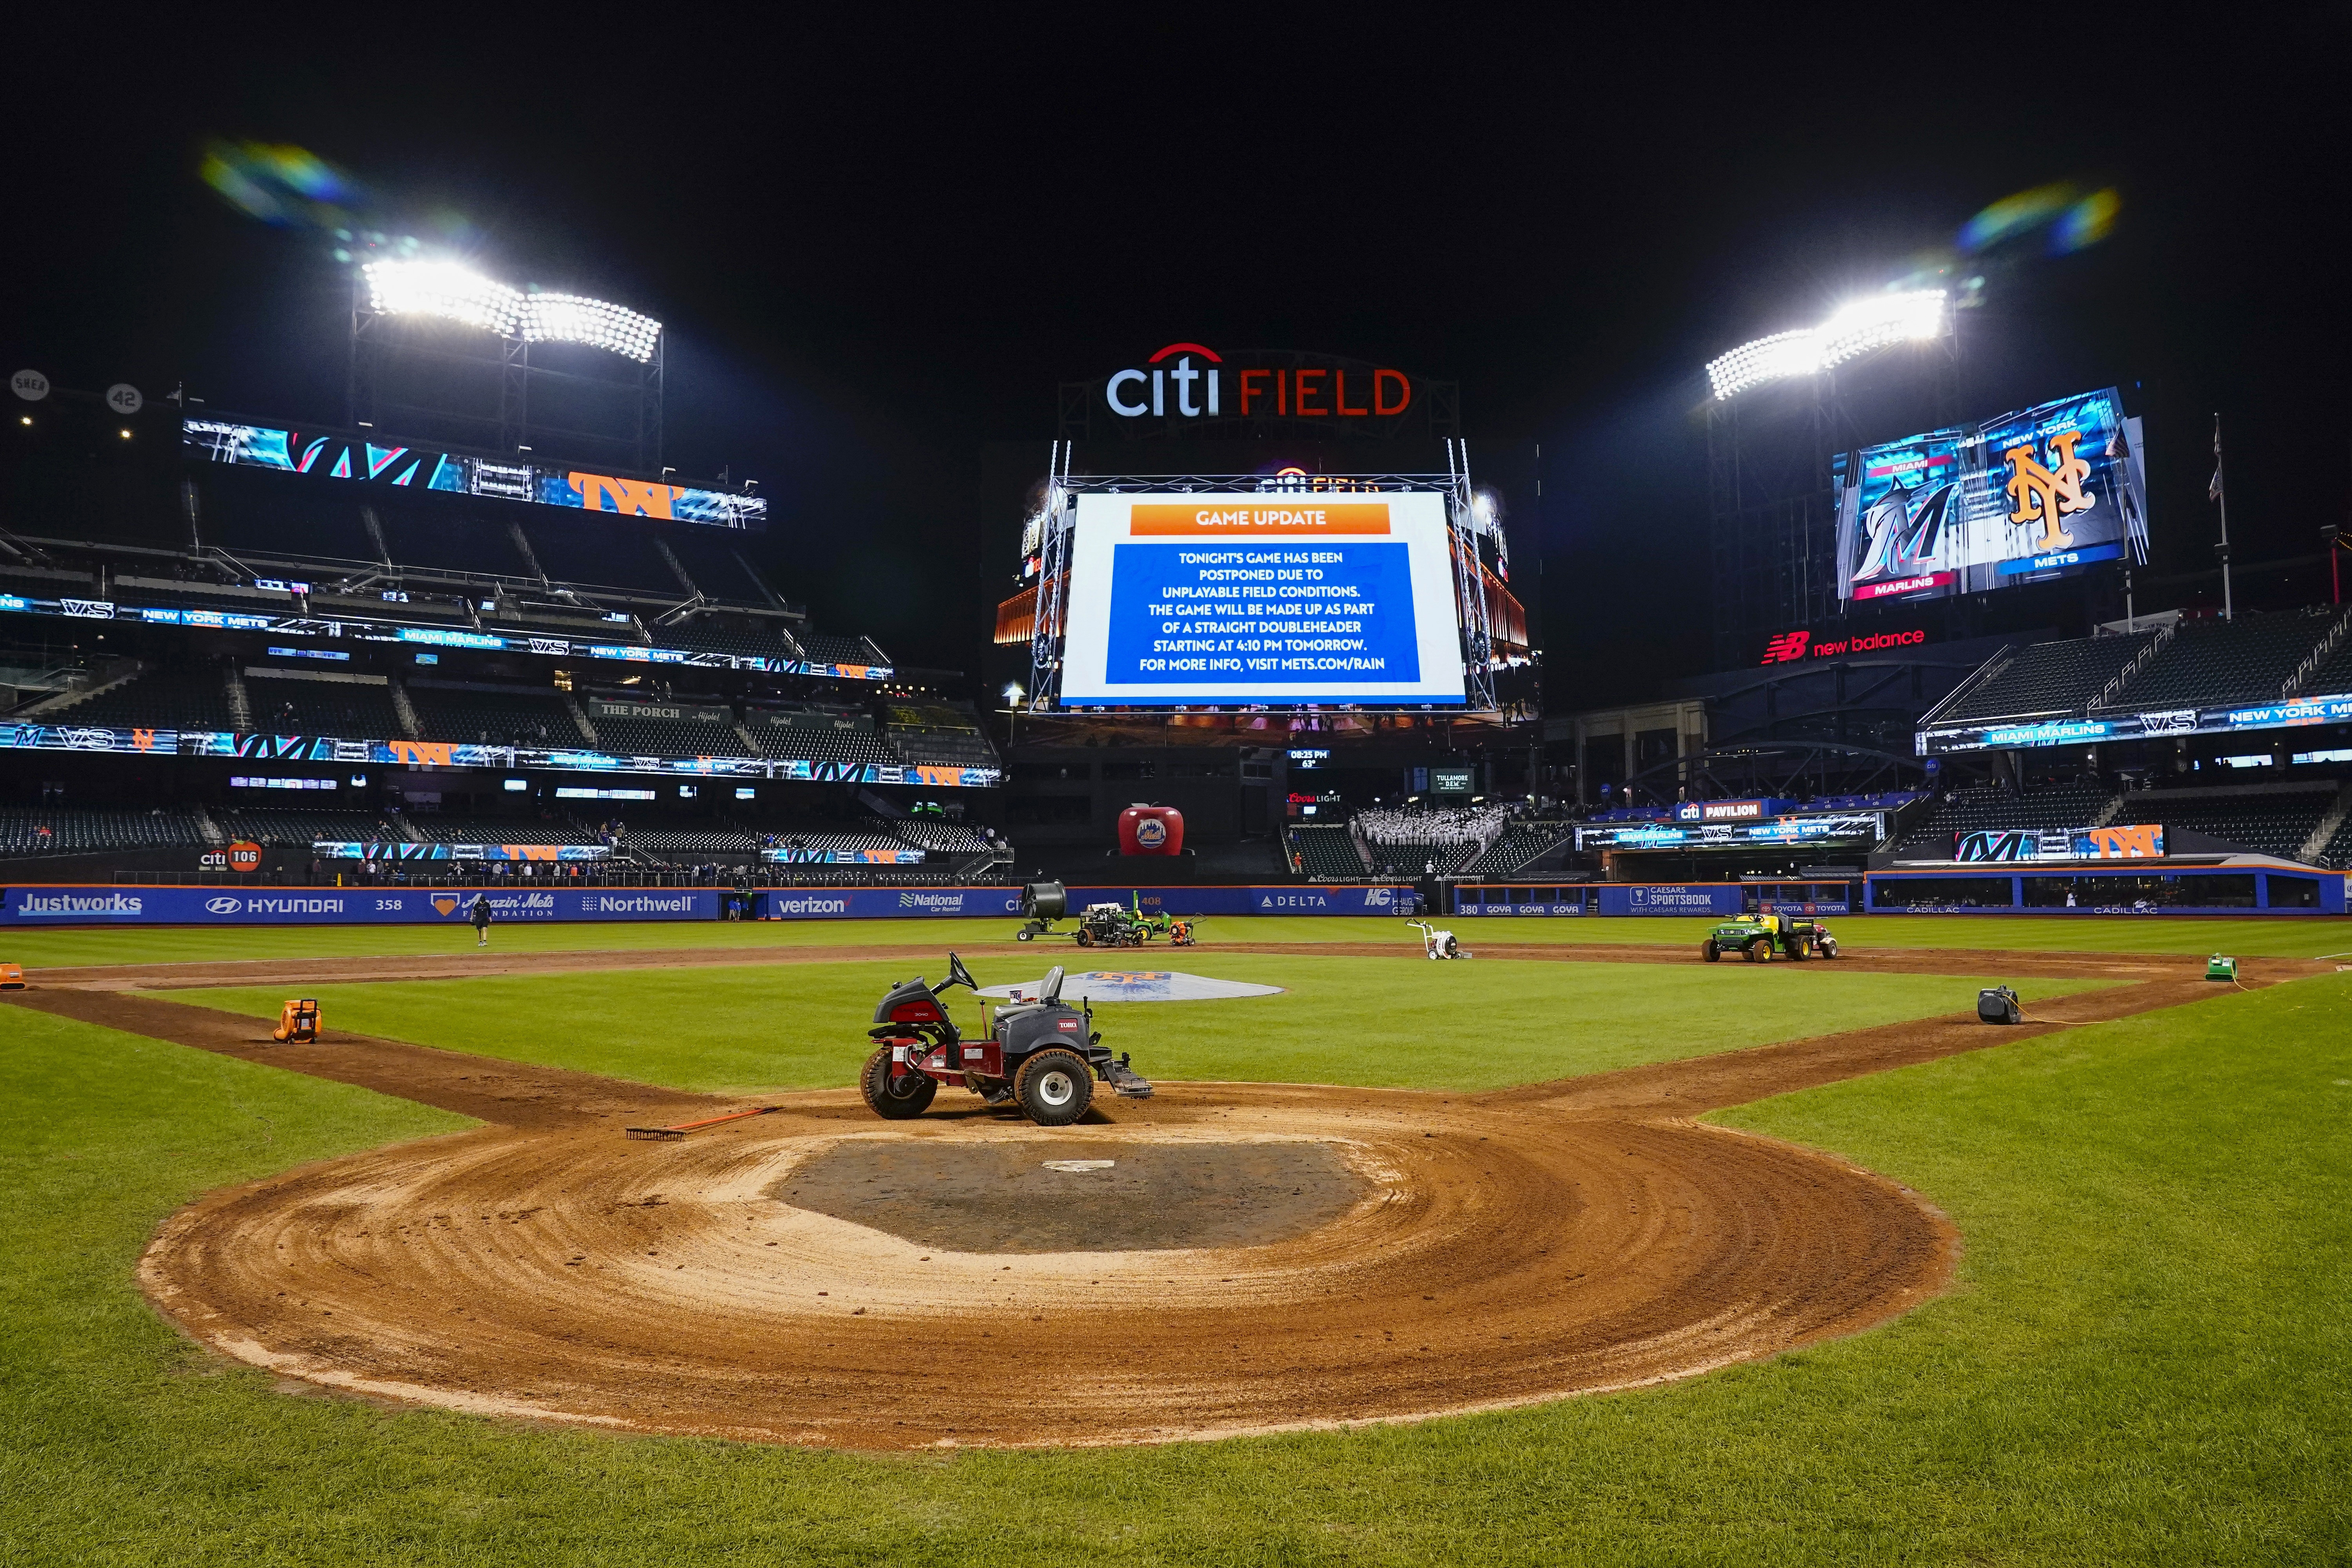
{"points": [[2177, 680]]}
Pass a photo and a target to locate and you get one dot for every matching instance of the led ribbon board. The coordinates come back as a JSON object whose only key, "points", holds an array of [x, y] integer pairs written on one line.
{"points": [[2129, 841], [2040, 493], [330, 455], [1210, 599]]}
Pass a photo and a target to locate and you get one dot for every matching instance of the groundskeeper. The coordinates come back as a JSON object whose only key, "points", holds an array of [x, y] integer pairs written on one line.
{"points": [[482, 920]]}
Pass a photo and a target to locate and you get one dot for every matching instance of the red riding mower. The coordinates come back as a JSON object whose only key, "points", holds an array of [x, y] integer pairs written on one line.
{"points": [[1041, 1054]]}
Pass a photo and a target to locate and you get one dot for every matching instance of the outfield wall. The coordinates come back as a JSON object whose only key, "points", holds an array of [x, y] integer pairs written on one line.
{"points": [[98, 905], [2147, 889]]}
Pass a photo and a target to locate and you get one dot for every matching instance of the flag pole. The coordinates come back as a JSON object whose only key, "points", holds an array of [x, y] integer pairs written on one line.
{"points": [[2219, 493]]}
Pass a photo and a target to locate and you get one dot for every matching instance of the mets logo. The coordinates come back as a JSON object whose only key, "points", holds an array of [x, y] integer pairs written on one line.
{"points": [[2042, 495], [1151, 833], [444, 904]]}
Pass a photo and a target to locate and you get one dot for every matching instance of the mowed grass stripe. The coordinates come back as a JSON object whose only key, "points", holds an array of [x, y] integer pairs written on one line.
{"points": [[2145, 1362], [1370, 1022], [2260, 937]]}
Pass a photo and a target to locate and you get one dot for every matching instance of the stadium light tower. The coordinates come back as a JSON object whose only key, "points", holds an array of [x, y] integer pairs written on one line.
{"points": [[391, 293], [1772, 522]]}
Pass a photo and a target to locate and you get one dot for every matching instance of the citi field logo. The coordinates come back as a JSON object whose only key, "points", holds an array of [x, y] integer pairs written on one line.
{"points": [[1189, 391], [1151, 833]]}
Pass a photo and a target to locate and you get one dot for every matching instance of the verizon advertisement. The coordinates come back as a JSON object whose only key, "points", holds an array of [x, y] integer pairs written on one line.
{"points": [[1207, 600]]}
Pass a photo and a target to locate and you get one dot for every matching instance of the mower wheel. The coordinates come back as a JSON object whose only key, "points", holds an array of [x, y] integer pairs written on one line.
{"points": [[1055, 1087], [1708, 951], [898, 1100], [1801, 950], [1086, 938], [1748, 951]]}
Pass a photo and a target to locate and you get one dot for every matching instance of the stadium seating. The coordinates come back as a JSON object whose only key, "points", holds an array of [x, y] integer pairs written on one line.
{"points": [[2266, 819], [2049, 677], [718, 568], [61, 831], [263, 826], [1992, 807], [843, 740], [691, 841], [825, 649], [1520, 843], [636, 737], [182, 697], [267, 516], [572, 547], [294, 702], [486, 716], [1327, 852], [943, 837], [940, 733], [2225, 661], [2333, 676]]}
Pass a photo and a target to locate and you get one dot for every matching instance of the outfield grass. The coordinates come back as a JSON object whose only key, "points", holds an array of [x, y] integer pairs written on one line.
{"points": [[2147, 1362], [2255, 936], [1341, 1020]]}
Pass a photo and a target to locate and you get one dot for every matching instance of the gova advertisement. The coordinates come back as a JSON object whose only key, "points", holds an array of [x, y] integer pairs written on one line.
{"points": [[1184, 600], [2029, 496]]}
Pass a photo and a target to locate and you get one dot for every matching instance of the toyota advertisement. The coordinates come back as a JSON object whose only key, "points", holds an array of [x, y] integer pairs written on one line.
{"points": [[1214, 599], [2024, 498]]}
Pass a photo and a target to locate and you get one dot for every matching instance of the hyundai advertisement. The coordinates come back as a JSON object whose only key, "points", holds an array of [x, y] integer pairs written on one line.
{"points": [[2029, 496], [1214, 599]]}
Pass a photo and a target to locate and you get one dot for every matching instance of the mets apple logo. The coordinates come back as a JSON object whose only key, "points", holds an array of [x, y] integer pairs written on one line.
{"points": [[1151, 831]]}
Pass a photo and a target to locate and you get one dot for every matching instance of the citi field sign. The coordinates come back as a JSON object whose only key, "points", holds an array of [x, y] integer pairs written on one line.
{"points": [[1189, 381]]}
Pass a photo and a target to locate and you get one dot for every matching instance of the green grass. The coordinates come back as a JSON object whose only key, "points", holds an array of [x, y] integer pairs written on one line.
{"points": [[1342, 1020], [2147, 1361], [2260, 937]]}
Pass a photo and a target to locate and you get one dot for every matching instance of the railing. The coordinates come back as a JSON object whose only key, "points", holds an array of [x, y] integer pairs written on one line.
{"points": [[2139, 661]]}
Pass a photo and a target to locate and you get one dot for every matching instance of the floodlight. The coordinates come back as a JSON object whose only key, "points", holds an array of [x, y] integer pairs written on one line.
{"points": [[1874, 321], [572, 319], [442, 289], [455, 293]]}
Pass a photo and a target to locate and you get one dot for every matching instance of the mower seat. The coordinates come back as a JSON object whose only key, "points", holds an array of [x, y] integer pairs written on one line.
{"points": [[1050, 991]]}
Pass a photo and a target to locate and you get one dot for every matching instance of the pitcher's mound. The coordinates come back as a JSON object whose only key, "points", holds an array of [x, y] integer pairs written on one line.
{"points": [[1138, 986], [1078, 1196]]}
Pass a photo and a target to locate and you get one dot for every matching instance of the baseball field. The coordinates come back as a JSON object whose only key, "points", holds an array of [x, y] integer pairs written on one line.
{"points": [[1581, 1251]]}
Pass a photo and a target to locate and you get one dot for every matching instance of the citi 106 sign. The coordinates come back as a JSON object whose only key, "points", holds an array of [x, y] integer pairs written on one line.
{"points": [[1186, 381]]}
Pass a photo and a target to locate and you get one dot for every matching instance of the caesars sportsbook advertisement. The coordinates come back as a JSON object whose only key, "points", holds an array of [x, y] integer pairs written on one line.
{"points": [[1227, 599]]}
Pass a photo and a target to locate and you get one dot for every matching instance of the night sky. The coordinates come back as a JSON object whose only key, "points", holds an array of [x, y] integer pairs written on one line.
{"points": [[876, 250]]}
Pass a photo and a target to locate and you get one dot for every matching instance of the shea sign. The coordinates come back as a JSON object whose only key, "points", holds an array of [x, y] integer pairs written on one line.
{"points": [[1206, 599]]}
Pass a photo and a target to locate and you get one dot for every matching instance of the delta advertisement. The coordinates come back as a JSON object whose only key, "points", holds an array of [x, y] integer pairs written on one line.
{"points": [[1250, 599], [338, 457], [2037, 494], [2130, 841], [96, 905]]}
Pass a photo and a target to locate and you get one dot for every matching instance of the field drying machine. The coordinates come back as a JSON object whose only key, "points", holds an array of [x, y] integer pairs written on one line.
{"points": [[1040, 1052]]}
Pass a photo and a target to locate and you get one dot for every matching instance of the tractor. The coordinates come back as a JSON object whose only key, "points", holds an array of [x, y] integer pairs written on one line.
{"points": [[1760, 938], [1041, 1054]]}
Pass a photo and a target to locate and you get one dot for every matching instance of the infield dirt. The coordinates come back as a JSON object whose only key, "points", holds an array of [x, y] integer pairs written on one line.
{"points": [[1472, 1250]]}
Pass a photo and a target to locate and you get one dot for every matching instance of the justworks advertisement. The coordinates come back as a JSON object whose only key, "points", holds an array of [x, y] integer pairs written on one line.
{"points": [[1275, 599]]}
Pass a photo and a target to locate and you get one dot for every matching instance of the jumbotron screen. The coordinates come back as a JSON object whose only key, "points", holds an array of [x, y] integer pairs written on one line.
{"points": [[2032, 495], [1223, 600]]}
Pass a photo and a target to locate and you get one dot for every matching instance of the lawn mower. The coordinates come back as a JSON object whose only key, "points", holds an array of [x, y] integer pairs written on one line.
{"points": [[1757, 938], [1041, 1054], [1438, 943]]}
